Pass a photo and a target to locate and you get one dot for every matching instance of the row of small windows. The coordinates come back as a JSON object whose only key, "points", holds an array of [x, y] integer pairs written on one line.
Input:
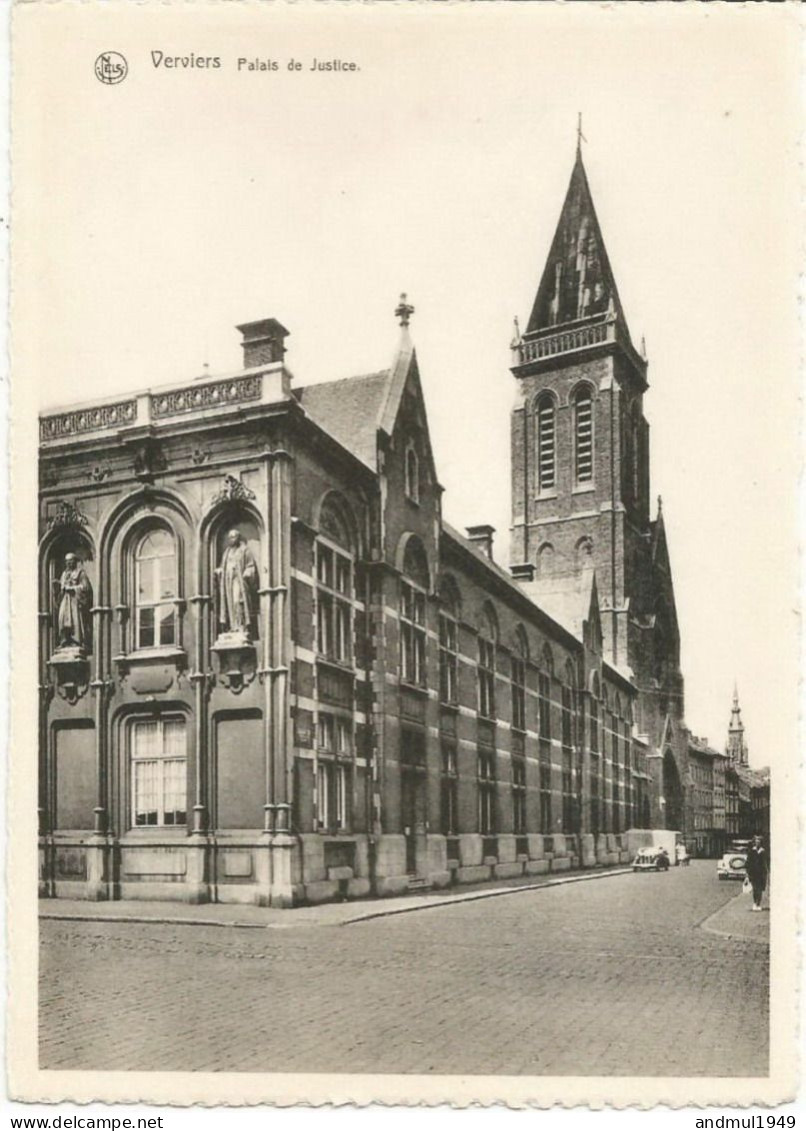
{"points": [[547, 439], [606, 811]]}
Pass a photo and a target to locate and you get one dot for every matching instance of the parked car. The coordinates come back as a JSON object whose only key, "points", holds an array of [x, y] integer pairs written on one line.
{"points": [[653, 859], [733, 865]]}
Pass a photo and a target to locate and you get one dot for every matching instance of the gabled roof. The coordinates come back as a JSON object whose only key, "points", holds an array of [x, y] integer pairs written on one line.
{"points": [[350, 410], [577, 279]]}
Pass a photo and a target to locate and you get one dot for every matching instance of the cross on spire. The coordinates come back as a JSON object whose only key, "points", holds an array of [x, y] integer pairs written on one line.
{"points": [[580, 136], [404, 310]]}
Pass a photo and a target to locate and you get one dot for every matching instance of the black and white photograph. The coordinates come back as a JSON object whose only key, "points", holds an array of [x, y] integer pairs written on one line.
{"points": [[404, 553]]}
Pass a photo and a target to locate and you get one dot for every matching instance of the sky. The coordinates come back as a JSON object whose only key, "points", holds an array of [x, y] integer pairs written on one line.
{"points": [[164, 210]]}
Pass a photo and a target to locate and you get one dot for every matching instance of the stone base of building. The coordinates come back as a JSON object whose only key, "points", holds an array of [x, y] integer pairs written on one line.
{"points": [[288, 871]]}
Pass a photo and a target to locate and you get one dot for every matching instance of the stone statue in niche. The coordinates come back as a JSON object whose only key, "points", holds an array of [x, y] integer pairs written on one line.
{"points": [[73, 592], [237, 584]]}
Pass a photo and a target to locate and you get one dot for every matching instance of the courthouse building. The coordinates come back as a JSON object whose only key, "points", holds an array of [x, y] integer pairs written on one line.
{"points": [[271, 672]]}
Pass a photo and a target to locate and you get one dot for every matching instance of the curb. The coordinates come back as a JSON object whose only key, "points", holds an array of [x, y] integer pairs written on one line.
{"points": [[449, 901], [75, 917], [381, 913]]}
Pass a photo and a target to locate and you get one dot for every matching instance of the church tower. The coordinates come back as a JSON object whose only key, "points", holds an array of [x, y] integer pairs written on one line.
{"points": [[736, 748], [580, 462]]}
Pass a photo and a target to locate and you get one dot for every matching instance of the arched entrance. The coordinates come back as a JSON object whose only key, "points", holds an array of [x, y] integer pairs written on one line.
{"points": [[672, 792]]}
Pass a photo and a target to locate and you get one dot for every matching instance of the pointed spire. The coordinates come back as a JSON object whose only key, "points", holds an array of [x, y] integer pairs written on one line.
{"points": [[660, 505], [577, 280], [643, 347]]}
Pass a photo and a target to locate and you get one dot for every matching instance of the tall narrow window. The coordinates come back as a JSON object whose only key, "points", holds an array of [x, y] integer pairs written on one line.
{"points": [[519, 794], [449, 789], [583, 435], [487, 675], [334, 576], [155, 590], [158, 772], [518, 693], [412, 475], [448, 643], [412, 633], [544, 748], [487, 815], [413, 587], [567, 718], [546, 445], [334, 748]]}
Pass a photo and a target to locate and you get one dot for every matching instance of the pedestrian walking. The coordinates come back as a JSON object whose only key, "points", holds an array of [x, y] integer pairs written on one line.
{"points": [[681, 855], [756, 868]]}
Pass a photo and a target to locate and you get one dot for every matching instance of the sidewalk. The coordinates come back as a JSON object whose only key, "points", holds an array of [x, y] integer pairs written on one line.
{"points": [[322, 915], [736, 920]]}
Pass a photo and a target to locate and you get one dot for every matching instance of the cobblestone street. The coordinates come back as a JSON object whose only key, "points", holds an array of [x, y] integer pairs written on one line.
{"points": [[629, 974]]}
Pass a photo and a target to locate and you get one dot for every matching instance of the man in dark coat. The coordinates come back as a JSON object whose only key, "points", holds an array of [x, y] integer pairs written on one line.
{"points": [[756, 868]]}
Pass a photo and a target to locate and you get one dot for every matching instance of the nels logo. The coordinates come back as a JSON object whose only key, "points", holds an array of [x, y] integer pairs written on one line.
{"points": [[111, 68]]}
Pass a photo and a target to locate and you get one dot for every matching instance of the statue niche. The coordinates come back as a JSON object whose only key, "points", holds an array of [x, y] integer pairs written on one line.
{"points": [[72, 627], [237, 607], [73, 601]]}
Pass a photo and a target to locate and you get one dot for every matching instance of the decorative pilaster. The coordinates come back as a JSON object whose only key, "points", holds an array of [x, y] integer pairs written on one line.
{"points": [[276, 678]]}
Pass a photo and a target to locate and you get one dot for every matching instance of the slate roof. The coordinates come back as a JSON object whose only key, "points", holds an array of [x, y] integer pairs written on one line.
{"points": [[565, 599], [350, 410]]}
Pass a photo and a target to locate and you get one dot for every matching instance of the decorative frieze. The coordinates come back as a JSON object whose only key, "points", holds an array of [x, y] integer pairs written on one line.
{"points": [[64, 424], [193, 398]]}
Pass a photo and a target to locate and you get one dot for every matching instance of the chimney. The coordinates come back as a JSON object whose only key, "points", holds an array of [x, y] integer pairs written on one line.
{"points": [[263, 342], [482, 539], [523, 571]]}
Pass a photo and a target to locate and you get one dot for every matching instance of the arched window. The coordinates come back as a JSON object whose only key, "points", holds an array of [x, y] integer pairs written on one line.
{"points": [[448, 641], [594, 715], [486, 669], [583, 434], [335, 580], [568, 742], [545, 560], [155, 589], [635, 450], [519, 656], [413, 586], [546, 445], [412, 475], [334, 586]]}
